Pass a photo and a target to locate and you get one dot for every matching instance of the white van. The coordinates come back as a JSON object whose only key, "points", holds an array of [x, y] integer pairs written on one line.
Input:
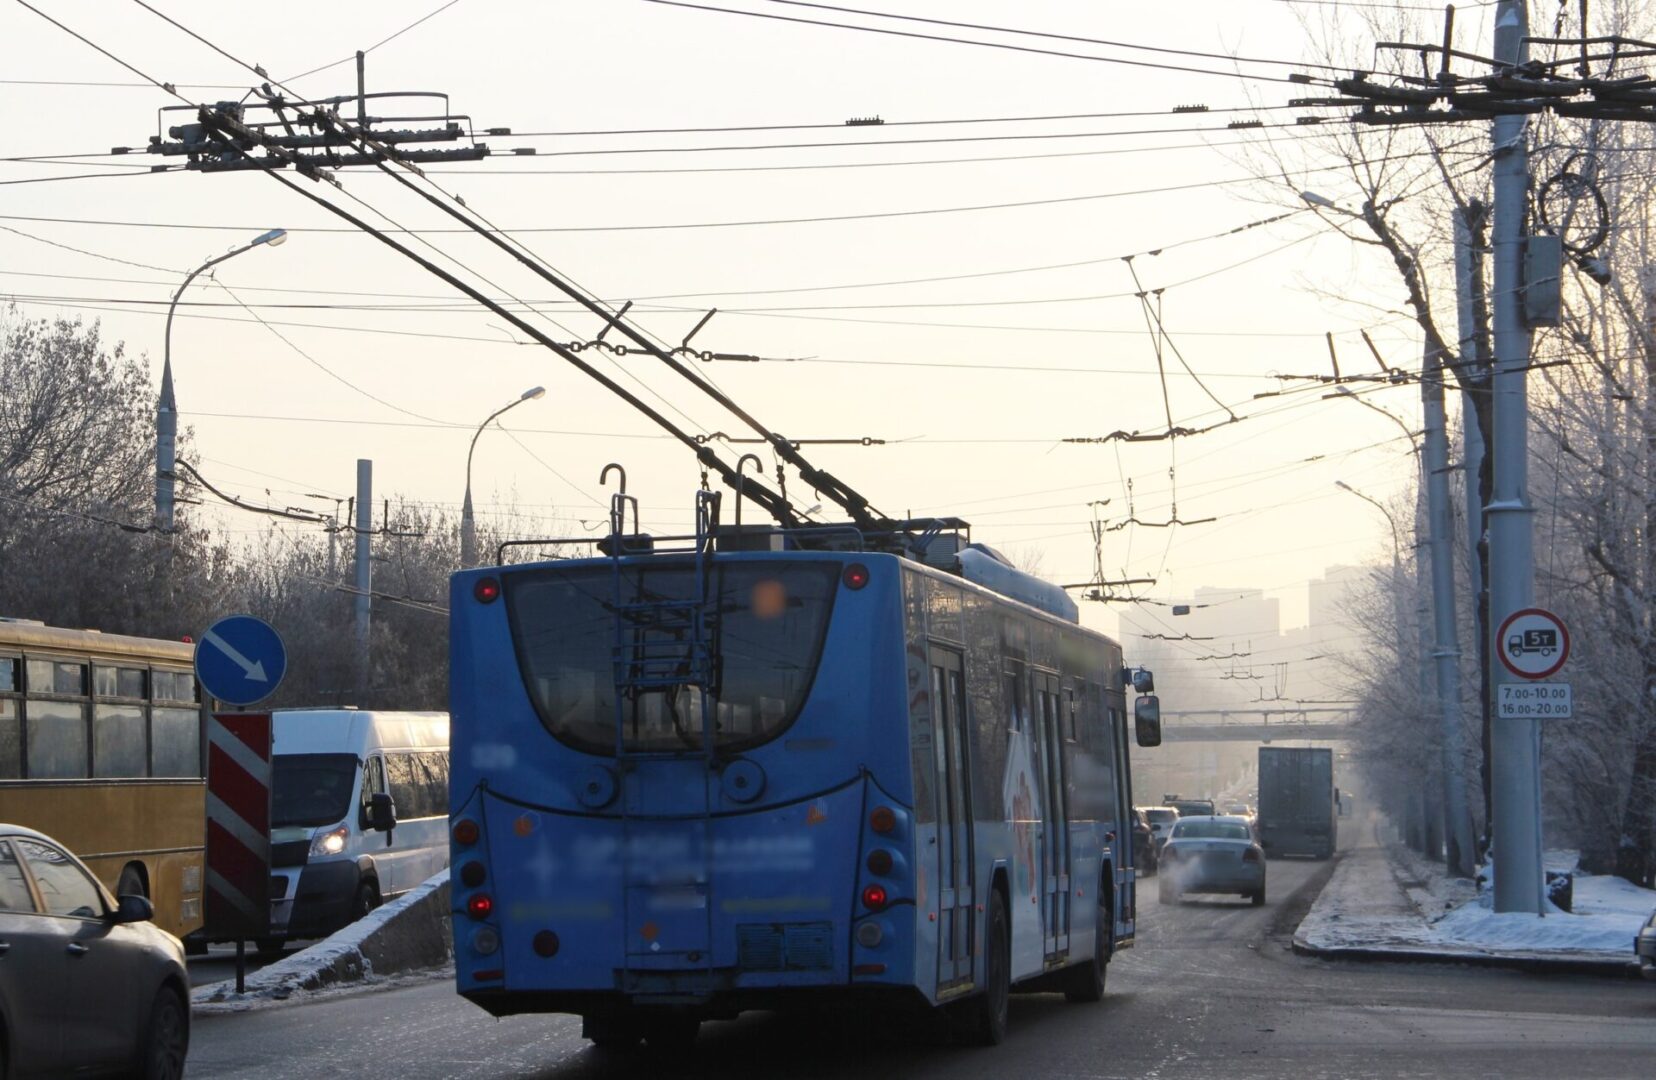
{"points": [[359, 814]]}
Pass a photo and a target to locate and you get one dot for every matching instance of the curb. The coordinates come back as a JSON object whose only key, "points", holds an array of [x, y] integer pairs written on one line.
{"points": [[410, 934], [1537, 965]]}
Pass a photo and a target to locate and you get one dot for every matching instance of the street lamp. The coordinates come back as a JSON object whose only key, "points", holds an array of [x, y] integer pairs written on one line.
{"points": [[468, 527], [166, 413]]}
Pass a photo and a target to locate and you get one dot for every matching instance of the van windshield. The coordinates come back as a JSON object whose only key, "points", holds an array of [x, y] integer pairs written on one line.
{"points": [[764, 625], [311, 789]]}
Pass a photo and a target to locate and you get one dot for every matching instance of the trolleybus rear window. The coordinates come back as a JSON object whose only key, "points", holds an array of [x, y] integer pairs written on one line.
{"points": [[764, 626]]}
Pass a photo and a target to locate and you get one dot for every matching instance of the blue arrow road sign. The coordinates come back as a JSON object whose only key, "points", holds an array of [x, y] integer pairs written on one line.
{"points": [[240, 660]]}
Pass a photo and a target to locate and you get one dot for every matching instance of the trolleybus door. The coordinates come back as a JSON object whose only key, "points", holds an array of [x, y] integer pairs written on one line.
{"points": [[1126, 907], [955, 928], [1055, 838]]}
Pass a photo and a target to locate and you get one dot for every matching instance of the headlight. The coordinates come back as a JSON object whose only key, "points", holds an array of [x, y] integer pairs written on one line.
{"points": [[331, 842]]}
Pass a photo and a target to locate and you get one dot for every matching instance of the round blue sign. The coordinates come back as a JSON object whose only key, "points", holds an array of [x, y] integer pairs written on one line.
{"points": [[240, 660]]}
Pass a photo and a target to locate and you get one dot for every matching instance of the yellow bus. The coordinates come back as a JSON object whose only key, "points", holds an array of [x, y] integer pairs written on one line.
{"points": [[101, 748]]}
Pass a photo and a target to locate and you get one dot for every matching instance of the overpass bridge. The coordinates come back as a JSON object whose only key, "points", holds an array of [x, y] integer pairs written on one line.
{"points": [[1322, 722]]}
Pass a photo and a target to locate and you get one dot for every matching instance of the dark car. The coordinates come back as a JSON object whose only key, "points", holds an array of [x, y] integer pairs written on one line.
{"points": [[87, 985], [1144, 844]]}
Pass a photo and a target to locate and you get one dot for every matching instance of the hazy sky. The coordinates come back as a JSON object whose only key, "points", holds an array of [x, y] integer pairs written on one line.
{"points": [[972, 382]]}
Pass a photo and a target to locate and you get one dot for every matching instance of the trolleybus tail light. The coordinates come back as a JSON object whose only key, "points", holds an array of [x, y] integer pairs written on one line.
{"points": [[480, 905], [855, 576], [487, 590], [546, 944], [879, 861], [485, 941], [868, 969], [472, 874], [870, 934], [883, 820], [874, 897], [490, 975], [465, 832]]}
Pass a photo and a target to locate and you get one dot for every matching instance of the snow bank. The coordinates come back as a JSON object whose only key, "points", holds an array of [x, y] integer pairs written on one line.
{"points": [[409, 934], [1386, 901]]}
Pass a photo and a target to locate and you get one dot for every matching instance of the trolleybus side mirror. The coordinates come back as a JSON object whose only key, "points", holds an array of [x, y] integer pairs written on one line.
{"points": [[382, 812], [1143, 680], [1147, 720]]}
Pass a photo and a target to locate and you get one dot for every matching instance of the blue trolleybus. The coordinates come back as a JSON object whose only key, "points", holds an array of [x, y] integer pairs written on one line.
{"points": [[762, 771]]}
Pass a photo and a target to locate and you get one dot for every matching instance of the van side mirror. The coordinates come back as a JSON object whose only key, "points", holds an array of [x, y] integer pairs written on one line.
{"points": [[1147, 720], [382, 812], [133, 908]]}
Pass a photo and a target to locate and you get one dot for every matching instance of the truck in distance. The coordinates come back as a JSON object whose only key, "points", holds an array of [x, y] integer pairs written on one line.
{"points": [[1296, 801]]}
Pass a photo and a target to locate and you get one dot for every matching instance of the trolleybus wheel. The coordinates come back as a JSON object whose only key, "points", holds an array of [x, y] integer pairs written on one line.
{"points": [[1084, 984], [671, 1034], [986, 1023], [611, 1033]]}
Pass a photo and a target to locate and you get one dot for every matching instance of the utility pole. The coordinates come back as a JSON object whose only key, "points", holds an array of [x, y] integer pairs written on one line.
{"points": [[1445, 650], [364, 573], [1433, 805], [166, 442], [1515, 763], [1472, 323]]}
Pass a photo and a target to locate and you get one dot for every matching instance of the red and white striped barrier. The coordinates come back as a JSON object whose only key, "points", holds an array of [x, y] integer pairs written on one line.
{"points": [[238, 826]]}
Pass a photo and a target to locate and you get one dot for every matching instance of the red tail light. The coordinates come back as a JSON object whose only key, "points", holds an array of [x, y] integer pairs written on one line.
{"points": [[874, 897], [1170, 852], [883, 819], [879, 861], [1251, 855], [465, 832], [480, 905], [487, 590], [855, 576], [472, 874]]}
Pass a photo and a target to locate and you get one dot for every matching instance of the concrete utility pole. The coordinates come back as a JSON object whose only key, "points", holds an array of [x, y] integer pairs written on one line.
{"points": [[1474, 360], [1516, 758], [1445, 651], [1417, 814], [364, 572], [1433, 807]]}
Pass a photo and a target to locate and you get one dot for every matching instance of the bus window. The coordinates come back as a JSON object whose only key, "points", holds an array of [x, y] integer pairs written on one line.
{"points": [[119, 682], [56, 738], [174, 686], [11, 740], [118, 744], [57, 677], [9, 683], [175, 742]]}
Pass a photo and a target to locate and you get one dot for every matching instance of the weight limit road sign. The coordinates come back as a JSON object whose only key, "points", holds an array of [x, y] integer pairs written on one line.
{"points": [[240, 660], [238, 826], [1533, 643]]}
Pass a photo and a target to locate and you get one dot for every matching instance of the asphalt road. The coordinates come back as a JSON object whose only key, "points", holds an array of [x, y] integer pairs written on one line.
{"points": [[1211, 990], [220, 962]]}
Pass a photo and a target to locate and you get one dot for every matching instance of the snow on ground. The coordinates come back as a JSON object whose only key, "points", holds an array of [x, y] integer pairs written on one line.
{"points": [[1386, 899]]}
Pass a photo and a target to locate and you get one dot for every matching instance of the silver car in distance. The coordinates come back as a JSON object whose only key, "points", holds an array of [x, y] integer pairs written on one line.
{"points": [[1213, 854]]}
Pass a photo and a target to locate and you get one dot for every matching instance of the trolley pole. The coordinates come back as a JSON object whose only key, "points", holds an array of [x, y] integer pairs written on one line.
{"points": [[364, 573], [1515, 763]]}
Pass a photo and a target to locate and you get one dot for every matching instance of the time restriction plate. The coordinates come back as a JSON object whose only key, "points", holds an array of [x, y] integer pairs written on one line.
{"points": [[1533, 701]]}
